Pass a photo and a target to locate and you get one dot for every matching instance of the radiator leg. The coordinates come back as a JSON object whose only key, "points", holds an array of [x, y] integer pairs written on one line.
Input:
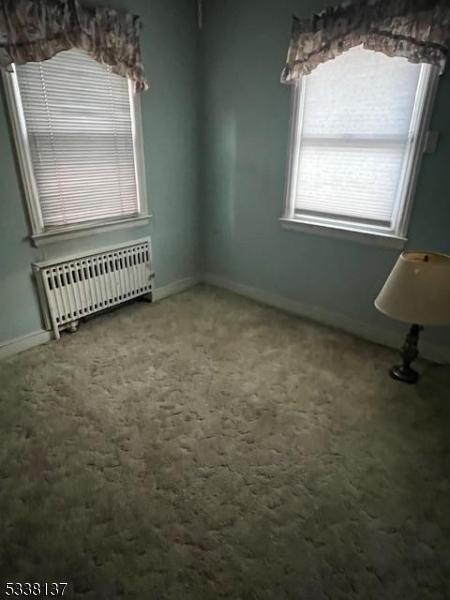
{"points": [[55, 328], [73, 326]]}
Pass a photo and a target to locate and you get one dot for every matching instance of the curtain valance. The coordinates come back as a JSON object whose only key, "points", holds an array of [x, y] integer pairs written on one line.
{"points": [[35, 30], [418, 30]]}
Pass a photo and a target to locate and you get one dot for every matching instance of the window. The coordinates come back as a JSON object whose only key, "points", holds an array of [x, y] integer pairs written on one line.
{"points": [[358, 133], [79, 145]]}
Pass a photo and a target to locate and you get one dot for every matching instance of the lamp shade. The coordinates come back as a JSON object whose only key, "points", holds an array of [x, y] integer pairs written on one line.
{"points": [[418, 289]]}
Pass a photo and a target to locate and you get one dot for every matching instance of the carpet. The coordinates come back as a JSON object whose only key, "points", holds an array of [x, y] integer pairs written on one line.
{"points": [[208, 447]]}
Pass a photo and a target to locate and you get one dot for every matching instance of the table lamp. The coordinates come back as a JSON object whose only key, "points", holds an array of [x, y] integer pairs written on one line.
{"points": [[418, 292]]}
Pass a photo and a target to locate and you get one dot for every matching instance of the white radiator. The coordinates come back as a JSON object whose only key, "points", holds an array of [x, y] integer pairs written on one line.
{"points": [[77, 286]]}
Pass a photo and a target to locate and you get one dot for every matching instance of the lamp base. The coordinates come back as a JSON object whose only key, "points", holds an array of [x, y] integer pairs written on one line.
{"points": [[404, 373]]}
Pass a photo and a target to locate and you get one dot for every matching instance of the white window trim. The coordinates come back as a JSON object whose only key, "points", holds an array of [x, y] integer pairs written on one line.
{"points": [[44, 235], [340, 228]]}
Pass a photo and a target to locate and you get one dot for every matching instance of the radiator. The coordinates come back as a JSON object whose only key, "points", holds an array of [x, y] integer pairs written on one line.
{"points": [[78, 286]]}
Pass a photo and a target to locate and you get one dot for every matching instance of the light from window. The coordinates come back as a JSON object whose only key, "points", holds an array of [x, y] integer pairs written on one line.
{"points": [[81, 138], [357, 126]]}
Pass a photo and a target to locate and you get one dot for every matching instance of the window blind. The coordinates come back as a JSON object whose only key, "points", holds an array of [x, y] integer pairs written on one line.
{"points": [[80, 131], [355, 132]]}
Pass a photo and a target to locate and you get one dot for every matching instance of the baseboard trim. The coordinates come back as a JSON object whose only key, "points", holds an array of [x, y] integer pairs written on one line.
{"points": [[386, 337], [25, 342], [435, 352], [175, 287]]}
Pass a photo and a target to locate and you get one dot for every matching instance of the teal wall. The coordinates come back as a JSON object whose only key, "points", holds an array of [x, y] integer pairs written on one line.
{"points": [[216, 123], [244, 148], [170, 123]]}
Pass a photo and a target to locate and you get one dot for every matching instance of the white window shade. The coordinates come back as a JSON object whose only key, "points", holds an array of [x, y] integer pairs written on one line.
{"points": [[80, 129], [356, 130]]}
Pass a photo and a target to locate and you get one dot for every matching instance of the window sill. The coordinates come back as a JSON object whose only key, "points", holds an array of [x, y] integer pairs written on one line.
{"points": [[66, 233], [363, 237]]}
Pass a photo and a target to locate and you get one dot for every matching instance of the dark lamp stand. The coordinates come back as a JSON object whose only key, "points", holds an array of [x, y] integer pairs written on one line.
{"points": [[409, 353]]}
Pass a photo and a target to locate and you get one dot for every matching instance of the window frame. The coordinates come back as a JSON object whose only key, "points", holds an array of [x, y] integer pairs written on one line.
{"points": [[39, 234], [394, 236]]}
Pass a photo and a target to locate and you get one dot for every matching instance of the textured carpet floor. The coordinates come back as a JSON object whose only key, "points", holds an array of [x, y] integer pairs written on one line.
{"points": [[207, 447]]}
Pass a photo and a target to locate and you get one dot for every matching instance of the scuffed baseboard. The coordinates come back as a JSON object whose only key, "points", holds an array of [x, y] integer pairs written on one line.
{"points": [[25, 342], [386, 337], [175, 287]]}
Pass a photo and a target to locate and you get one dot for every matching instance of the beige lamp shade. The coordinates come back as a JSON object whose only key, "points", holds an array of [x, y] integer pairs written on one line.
{"points": [[418, 289]]}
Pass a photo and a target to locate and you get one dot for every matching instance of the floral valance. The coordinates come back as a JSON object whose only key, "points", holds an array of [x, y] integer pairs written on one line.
{"points": [[35, 30], [418, 30]]}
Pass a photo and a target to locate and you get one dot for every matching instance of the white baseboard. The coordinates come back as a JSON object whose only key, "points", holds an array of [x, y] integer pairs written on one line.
{"points": [[25, 342], [386, 337], [175, 287]]}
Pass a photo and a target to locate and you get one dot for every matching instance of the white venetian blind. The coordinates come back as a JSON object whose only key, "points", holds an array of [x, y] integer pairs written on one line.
{"points": [[80, 130], [355, 133]]}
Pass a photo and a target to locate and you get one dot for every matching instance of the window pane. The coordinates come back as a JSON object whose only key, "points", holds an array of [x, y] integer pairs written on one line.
{"points": [[80, 132], [355, 182], [360, 92], [355, 136]]}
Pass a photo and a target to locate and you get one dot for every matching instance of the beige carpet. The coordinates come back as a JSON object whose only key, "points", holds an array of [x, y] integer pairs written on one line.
{"points": [[207, 447]]}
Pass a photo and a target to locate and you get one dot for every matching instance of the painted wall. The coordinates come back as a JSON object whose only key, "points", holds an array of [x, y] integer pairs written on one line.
{"points": [[169, 113], [241, 112], [244, 149]]}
